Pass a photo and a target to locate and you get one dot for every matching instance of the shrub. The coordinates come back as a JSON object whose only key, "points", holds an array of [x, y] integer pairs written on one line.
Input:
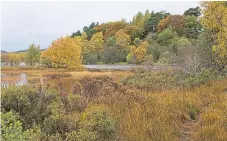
{"points": [[11, 129], [151, 37], [81, 135], [55, 125], [166, 36], [90, 58], [91, 87], [45, 62], [114, 54], [154, 50], [31, 104], [152, 80], [76, 103], [98, 121], [193, 114], [131, 59]]}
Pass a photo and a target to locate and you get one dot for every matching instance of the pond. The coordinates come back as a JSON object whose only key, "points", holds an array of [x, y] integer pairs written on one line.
{"points": [[62, 80]]}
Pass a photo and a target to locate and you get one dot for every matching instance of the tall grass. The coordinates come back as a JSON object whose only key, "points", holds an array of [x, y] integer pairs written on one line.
{"points": [[161, 116]]}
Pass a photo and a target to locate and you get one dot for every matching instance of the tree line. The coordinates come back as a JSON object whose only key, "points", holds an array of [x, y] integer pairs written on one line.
{"points": [[158, 37]]}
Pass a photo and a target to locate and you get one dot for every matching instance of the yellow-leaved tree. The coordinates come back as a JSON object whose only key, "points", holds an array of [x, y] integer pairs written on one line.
{"points": [[140, 52], [215, 20], [65, 52], [97, 42], [122, 38]]}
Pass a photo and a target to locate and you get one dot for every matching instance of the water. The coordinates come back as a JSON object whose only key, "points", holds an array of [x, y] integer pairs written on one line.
{"points": [[110, 67], [65, 82], [22, 80]]}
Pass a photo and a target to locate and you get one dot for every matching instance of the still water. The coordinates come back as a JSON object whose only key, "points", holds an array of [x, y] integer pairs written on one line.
{"points": [[19, 79], [62, 80]]}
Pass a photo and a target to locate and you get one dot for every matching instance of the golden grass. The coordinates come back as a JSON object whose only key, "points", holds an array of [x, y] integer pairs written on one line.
{"points": [[10, 79], [167, 115], [116, 75]]}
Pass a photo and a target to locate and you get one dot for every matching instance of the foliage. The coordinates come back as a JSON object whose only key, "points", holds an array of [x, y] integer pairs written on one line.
{"points": [[46, 62], [131, 59], [12, 130], [90, 30], [133, 31], [151, 80], [33, 55], [137, 42], [193, 12], [65, 52], [166, 37], [12, 59], [192, 27], [76, 34], [97, 42], [151, 37], [154, 50], [140, 19], [140, 52], [176, 22], [96, 125], [122, 38], [30, 104], [90, 58], [109, 29], [152, 23], [118, 54], [207, 58], [214, 19], [117, 49], [98, 121], [131, 110]]}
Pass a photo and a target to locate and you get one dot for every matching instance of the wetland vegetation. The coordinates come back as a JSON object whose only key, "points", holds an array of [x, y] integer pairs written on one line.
{"points": [[54, 98]]}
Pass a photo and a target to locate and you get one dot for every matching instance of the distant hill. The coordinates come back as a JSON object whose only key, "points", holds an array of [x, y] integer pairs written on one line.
{"points": [[2, 51], [26, 50]]}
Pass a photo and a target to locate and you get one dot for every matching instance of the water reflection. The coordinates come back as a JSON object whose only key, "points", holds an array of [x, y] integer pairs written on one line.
{"points": [[63, 82], [23, 79]]}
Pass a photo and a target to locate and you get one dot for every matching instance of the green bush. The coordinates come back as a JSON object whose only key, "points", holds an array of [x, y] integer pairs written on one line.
{"points": [[131, 59], [12, 130], [45, 62], [98, 123], [90, 58], [154, 50], [153, 80], [81, 135], [193, 114], [29, 102], [113, 54], [55, 125], [166, 36]]}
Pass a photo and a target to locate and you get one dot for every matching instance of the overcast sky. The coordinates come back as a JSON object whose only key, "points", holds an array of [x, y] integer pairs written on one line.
{"points": [[24, 23]]}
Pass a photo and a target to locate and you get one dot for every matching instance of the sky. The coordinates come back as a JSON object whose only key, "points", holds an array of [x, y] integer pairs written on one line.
{"points": [[24, 23]]}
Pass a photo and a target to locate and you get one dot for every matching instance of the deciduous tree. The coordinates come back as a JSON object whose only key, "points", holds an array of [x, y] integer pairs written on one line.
{"points": [[192, 27], [215, 20], [65, 52], [193, 12], [33, 55], [152, 22], [176, 22]]}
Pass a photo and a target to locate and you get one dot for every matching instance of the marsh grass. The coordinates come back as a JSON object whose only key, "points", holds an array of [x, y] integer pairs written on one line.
{"points": [[163, 115], [10, 79], [158, 113]]}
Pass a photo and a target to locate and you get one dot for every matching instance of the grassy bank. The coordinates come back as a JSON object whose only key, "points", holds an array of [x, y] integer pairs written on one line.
{"points": [[101, 108]]}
